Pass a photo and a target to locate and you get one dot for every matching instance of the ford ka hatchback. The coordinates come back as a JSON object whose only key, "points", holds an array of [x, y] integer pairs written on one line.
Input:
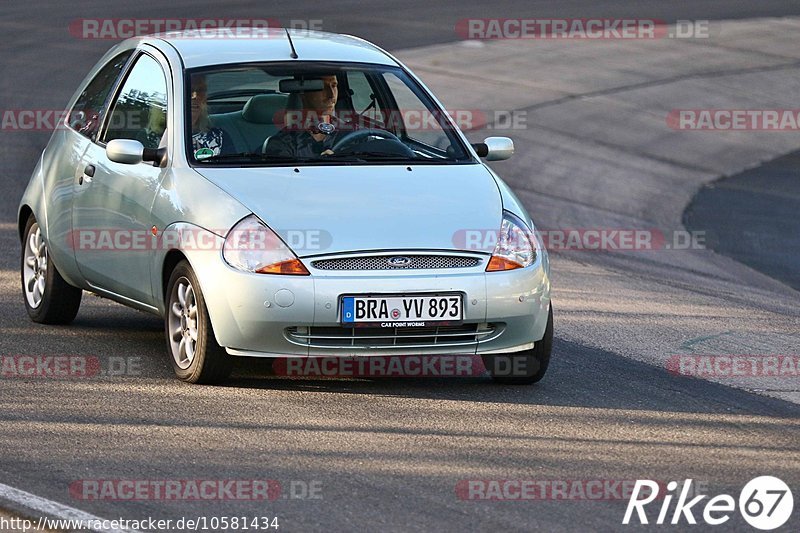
{"points": [[291, 194]]}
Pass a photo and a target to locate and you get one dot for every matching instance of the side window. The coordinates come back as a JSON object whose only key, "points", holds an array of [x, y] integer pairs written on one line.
{"points": [[140, 110], [87, 113], [362, 96]]}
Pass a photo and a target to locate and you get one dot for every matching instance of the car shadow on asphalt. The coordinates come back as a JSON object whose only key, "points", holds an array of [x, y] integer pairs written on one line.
{"points": [[578, 376]]}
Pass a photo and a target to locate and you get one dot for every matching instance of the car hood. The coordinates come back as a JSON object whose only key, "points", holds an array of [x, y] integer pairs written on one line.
{"points": [[323, 209]]}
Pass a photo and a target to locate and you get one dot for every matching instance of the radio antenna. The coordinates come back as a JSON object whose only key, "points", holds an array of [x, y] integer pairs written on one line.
{"points": [[291, 44]]}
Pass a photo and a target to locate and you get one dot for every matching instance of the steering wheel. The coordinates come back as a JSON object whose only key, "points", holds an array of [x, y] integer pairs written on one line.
{"points": [[357, 136]]}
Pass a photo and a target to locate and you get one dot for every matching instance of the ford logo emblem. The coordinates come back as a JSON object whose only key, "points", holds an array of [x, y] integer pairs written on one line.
{"points": [[399, 261]]}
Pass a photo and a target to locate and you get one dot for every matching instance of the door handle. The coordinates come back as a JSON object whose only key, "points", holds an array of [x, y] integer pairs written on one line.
{"points": [[88, 174]]}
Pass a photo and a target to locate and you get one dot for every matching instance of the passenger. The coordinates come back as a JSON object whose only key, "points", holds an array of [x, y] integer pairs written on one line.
{"points": [[207, 141]]}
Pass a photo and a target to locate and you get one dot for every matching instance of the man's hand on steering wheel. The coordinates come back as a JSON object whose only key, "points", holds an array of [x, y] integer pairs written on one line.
{"points": [[356, 137]]}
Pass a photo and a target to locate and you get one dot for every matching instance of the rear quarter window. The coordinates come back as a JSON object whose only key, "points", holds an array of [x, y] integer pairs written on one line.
{"points": [[86, 115]]}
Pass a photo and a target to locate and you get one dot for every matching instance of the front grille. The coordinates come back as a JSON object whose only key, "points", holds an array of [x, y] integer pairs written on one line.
{"points": [[382, 262], [410, 337]]}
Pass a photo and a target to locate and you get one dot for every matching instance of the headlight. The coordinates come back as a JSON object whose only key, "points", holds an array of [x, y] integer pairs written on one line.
{"points": [[514, 248], [253, 247]]}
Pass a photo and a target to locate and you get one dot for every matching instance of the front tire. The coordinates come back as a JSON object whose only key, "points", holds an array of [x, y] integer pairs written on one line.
{"points": [[523, 368], [195, 355], [49, 299]]}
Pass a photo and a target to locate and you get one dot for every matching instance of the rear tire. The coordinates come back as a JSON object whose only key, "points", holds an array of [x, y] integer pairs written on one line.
{"points": [[48, 298], [195, 355], [523, 368]]}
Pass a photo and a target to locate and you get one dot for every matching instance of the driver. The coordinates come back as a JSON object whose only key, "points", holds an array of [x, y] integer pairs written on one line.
{"points": [[318, 129]]}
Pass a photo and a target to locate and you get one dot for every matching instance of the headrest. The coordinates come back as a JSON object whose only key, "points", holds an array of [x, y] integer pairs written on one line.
{"points": [[294, 103], [262, 108]]}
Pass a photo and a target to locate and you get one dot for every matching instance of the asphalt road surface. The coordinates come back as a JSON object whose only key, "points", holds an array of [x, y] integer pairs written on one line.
{"points": [[383, 454], [764, 200]]}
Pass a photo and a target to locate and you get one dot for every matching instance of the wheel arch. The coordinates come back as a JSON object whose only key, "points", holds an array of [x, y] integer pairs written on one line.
{"points": [[171, 260], [25, 212]]}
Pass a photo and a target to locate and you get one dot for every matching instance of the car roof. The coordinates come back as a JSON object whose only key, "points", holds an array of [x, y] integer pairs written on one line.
{"points": [[243, 45]]}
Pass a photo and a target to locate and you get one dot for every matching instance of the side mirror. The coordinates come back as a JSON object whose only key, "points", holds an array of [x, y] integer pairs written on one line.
{"points": [[131, 152], [495, 148]]}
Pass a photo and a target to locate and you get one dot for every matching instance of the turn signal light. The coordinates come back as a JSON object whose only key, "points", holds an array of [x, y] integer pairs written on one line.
{"points": [[497, 264], [292, 266]]}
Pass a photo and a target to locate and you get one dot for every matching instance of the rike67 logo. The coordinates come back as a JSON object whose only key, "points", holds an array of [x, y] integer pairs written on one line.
{"points": [[765, 503]]}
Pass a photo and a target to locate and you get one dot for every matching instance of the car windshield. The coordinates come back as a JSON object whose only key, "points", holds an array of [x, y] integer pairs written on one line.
{"points": [[315, 114]]}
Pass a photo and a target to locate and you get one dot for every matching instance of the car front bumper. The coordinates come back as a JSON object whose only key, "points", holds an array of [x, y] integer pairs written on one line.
{"points": [[254, 314]]}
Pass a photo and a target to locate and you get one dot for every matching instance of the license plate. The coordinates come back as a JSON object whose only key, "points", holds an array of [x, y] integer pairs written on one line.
{"points": [[399, 311]]}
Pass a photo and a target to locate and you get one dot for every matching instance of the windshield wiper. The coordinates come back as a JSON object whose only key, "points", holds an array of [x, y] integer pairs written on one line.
{"points": [[348, 157], [382, 156], [255, 156], [397, 158]]}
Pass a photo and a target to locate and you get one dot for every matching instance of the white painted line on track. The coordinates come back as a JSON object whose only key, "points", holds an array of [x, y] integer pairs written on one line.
{"points": [[51, 508]]}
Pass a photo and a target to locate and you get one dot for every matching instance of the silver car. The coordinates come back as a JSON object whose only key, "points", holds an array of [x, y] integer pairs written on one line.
{"points": [[283, 194]]}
